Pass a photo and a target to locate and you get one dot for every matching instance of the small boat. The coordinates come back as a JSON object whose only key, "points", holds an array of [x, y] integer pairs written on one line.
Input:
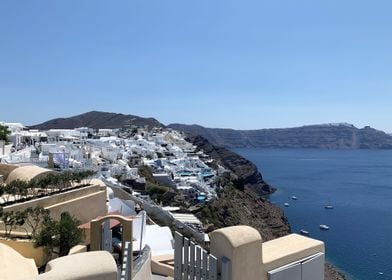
{"points": [[286, 204], [328, 207], [304, 232], [324, 227], [294, 197]]}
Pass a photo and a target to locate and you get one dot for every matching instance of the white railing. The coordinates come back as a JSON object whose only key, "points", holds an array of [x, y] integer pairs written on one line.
{"points": [[126, 267], [191, 262]]}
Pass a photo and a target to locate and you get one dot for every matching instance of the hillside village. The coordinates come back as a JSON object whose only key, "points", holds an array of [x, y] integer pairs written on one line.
{"points": [[130, 190], [119, 156]]}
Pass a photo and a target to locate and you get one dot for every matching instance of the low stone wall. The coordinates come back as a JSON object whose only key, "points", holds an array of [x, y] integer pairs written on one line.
{"points": [[142, 267], [252, 259], [85, 204], [98, 265], [84, 208], [55, 198]]}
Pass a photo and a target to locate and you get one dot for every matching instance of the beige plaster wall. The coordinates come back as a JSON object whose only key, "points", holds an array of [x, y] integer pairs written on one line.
{"points": [[288, 249], [84, 208], [13, 266], [98, 265], [252, 259], [26, 249], [144, 272], [243, 246], [85, 204], [55, 199], [77, 249]]}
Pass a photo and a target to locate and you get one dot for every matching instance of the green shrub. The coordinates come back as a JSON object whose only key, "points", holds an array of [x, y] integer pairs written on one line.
{"points": [[59, 236]]}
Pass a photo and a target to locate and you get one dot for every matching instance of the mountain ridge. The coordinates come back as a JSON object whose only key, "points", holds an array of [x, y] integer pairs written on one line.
{"points": [[97, 119], [326, 136]]}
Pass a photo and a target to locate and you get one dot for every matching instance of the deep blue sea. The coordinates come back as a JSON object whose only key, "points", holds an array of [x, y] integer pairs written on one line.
{"points": [[358, 183]]}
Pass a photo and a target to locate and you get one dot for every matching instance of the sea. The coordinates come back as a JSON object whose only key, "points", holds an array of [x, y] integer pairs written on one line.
{"points": [[357, 183]]}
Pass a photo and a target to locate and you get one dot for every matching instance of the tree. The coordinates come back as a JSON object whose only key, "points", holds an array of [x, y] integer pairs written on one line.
{"points": [[65, 178], [59, 236], [43, 183], [69, 233], [10, 191], [47, 235], [12, 219], [4, 132], [34, 217], [19, 187], [15, 189], [83, 176]]}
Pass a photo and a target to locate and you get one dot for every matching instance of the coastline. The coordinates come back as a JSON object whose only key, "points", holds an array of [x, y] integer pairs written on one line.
{"points": [[252, 181], [332, 273]]}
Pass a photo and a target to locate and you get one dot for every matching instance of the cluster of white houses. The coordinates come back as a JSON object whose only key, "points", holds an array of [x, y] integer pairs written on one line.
{"points": [[116, 154]]}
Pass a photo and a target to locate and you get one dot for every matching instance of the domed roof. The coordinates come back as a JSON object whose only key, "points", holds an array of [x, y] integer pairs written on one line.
{"points": [[26, 173], [6, 169]]}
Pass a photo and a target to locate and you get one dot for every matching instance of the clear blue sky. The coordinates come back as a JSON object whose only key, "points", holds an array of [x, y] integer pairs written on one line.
{"points": [[219, 63]]}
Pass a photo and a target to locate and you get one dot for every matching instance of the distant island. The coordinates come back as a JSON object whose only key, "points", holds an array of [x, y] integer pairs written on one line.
{"points": [[324, 136]]}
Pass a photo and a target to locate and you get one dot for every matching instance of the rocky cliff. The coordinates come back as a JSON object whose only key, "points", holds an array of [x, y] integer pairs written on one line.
{"points": [[246, 174], [329, 136], [235, 207], [239, 201]]}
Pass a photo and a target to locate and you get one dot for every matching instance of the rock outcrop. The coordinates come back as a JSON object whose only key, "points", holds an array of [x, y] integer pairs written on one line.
{"points": [[331, 273], [240, 199], [246, 174], [235, 207]]}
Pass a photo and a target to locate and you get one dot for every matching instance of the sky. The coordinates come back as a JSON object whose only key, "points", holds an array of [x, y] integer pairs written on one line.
{"points": [[243, 64]]}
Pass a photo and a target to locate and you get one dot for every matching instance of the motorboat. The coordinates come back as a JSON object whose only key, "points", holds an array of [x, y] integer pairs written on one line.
{"points": [[286, 204], [324, 227], [304, 232], [294, 197], [328, 207]]}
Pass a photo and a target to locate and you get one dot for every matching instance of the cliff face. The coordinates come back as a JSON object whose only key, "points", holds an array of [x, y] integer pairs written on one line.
{"points": [[239, 201], [246, 173], [235, 207], [332, 136]]}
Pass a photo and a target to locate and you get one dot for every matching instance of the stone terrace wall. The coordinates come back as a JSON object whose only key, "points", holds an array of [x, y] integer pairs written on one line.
{"points": [[85, 204]]}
